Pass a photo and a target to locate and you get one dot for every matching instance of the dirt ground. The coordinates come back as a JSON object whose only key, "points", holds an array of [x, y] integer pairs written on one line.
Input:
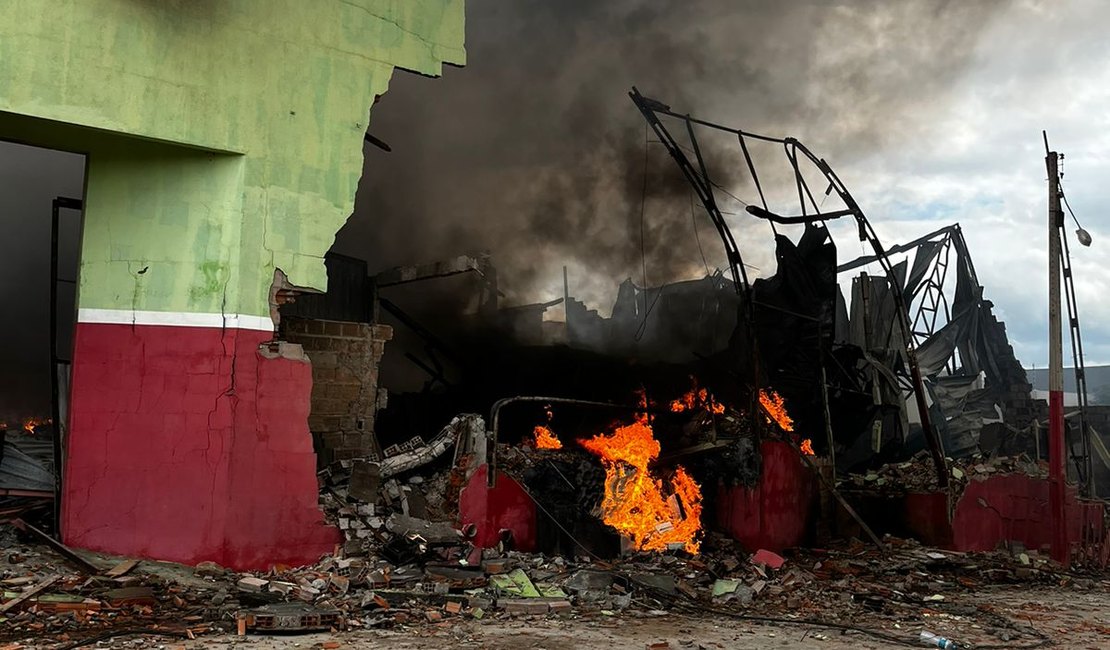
{"points": [[1064, 617]]}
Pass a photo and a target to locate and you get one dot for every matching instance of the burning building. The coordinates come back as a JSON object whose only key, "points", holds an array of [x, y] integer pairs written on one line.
{"points": [[795, 385], [213, 375]]}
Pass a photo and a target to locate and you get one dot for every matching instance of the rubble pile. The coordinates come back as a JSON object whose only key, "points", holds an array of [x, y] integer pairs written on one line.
{"points": [[919, 475], [415, 572], [404, 562], [47, 596], [435, 579]]}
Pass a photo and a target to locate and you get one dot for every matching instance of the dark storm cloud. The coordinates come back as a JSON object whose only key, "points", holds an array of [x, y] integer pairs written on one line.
{"points": [[534, 151]]}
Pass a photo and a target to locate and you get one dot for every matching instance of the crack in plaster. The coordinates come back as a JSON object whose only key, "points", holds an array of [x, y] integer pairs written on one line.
{"points": [[429, 44]]}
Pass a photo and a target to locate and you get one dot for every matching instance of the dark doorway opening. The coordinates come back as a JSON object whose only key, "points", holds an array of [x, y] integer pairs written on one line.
{"points": [[41, 215]]}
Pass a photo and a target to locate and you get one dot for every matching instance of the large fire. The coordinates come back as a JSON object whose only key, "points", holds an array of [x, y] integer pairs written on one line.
{"points": [[634, 502], [545, 438]]}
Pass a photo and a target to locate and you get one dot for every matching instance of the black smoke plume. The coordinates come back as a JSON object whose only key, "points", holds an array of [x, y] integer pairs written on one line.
{"points": [[534, 152]]}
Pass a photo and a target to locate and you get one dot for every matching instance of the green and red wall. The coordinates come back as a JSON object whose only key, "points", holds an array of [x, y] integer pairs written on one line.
{"points": [[224, 141]]}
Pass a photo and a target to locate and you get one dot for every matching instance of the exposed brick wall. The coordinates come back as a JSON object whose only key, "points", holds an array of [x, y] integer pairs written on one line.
{"points": [[345, 397]]}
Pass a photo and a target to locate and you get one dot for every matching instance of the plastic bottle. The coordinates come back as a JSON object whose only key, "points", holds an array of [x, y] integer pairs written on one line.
{"points": [[934, 641]]}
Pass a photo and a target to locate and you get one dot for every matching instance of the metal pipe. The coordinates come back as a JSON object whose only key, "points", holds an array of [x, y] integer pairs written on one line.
{"points": [[55, 389], [57, 205]]}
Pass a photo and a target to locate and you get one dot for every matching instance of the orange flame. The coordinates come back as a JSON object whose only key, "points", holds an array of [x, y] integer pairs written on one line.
{"points": [[807, 447], [634, 502], [29, 424], [697, 397], [545, 438], [774, 407], [642, 401]]}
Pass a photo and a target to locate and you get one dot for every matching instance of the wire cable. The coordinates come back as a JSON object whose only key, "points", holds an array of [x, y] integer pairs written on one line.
{"points": [[1068, 206]]}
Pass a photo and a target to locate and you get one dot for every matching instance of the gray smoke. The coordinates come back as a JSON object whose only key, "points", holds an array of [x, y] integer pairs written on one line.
{"points": [[534, 151]]}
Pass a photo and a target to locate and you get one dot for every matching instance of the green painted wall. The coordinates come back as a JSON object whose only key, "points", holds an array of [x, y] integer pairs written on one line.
{"points": [[224, 136]]}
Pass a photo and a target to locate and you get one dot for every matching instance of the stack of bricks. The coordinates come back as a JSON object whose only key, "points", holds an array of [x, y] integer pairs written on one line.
{"points": [[345, 395]]}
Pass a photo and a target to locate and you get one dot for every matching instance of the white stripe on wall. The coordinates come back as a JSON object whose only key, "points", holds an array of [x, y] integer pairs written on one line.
{"points": [[175, 319]]}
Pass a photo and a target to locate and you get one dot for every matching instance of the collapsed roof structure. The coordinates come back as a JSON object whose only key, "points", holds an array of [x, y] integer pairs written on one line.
{"points": [[877, 353]]}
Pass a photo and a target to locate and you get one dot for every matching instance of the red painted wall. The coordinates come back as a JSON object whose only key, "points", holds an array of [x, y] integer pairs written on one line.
{"points": [[775, 514], [186, 444], [506, 505], [1012, 507]]}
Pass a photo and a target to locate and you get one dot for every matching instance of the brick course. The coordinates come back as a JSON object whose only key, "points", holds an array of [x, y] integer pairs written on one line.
{"points": [[345, 394]]}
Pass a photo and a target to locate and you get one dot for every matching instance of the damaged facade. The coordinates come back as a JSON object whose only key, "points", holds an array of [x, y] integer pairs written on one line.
{"points": [[854, 373], [419, 434], [224, 145]]}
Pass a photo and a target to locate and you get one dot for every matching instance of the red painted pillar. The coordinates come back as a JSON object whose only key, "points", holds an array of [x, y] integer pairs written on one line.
{"points": [[1060, 550]]}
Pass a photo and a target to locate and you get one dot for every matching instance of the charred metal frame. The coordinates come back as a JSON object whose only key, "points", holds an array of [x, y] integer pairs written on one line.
{"points": [[60, 203], [934, 300], [699, 179]]}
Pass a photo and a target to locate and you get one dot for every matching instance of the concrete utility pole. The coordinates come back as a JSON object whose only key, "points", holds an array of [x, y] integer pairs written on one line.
{"points": [[1057, 476]]}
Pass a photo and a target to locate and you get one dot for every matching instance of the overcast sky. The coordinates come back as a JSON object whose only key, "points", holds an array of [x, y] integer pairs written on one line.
{"points": [[930, 110]]}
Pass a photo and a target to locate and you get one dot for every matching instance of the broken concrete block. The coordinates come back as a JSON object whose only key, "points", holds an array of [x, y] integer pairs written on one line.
{"points": [[516, 583], [208, 569], [725, 587], [587, 580], [659, 581], [340, 583], [768, 559], [251, 583], [130, 596], [476, 601], [560, 607], [365, 481], [525, 607]]}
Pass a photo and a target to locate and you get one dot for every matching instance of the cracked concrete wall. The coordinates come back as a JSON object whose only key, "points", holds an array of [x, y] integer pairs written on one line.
{"points": [[285, 86], [224, 141]]}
